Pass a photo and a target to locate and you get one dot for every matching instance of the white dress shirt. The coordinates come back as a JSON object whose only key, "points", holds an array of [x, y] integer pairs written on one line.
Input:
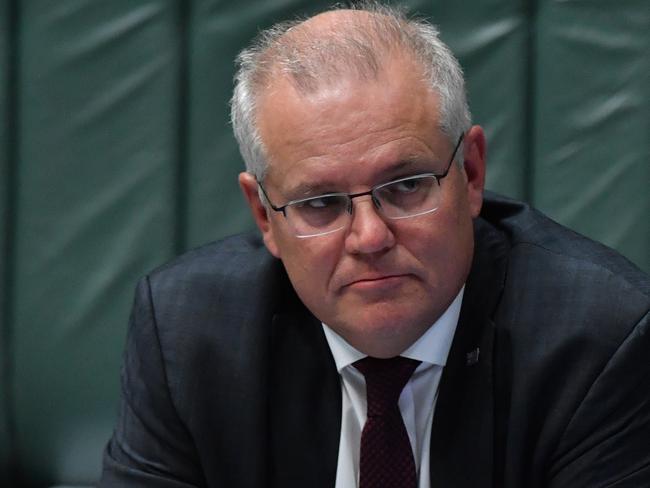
{"points": [[416, 403]]}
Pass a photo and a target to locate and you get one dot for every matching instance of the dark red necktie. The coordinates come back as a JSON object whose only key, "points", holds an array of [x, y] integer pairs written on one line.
{"points": [[386, 456]]}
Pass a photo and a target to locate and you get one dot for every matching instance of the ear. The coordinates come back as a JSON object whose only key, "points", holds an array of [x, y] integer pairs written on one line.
{"points": [[474, 163], [248, 185]]}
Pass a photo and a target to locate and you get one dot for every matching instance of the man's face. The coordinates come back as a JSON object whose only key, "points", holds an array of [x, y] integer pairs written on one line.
{"points": [[378, 283]]}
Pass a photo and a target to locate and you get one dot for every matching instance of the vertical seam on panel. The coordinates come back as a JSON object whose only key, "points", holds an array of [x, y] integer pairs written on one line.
{"points": [[11, 185], [182, 126], [530, 122]]}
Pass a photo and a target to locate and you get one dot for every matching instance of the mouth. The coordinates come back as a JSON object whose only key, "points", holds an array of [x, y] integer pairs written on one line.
{"points": [[377, 283]]}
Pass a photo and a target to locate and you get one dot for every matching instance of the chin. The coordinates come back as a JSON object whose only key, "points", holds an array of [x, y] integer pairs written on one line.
{"points": [[388, 329]]}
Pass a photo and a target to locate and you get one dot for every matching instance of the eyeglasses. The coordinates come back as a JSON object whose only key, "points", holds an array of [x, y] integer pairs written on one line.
{"points": [[397, 199]]}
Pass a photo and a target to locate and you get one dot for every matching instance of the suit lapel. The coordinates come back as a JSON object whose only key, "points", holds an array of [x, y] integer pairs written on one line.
{"points": [[463, 426], [305, 401]]}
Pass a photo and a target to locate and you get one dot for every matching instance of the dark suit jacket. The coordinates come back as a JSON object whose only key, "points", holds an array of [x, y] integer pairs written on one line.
{"points": [[228, 380]]}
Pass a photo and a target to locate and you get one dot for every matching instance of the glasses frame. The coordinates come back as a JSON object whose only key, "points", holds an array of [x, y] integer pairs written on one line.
{"points": [[371, 192]]}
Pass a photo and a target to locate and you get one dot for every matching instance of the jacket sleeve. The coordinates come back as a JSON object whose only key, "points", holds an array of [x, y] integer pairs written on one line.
{"points": [[150, 445], [607, 442]]}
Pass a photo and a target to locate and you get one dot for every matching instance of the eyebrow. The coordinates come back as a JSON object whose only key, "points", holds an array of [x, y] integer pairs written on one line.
{"points": [[418, 164], [308, 189]]}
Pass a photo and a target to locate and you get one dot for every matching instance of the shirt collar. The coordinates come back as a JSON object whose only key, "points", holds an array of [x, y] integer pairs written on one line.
{"points": [[432, 347]]}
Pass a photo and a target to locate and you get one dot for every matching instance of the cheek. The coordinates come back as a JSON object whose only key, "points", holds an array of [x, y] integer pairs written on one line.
{"points": [[443, 246]]}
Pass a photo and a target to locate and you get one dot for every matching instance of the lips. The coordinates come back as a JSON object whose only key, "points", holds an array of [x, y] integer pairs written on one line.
{"points": [[377, 282]]}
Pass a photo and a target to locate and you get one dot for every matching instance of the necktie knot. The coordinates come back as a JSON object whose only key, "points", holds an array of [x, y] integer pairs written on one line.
{"points": [[385, 380]]}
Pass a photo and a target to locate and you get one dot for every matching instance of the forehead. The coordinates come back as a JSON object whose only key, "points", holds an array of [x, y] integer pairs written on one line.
{"points": [[350, 129]]}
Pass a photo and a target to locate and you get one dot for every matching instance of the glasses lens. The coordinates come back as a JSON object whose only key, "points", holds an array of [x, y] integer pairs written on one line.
{"points": [[408, 197], [318, 215]]}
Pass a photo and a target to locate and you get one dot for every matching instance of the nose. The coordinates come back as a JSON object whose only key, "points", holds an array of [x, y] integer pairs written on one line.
{"points": [[368, 232]]}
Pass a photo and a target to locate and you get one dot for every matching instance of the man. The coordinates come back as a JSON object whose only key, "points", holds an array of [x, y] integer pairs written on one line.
{"points": [[520, 347]]}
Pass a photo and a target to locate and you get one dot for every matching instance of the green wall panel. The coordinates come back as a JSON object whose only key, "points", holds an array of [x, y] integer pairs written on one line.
{"points": [[4, 201], [95, 209], [592, 149]]}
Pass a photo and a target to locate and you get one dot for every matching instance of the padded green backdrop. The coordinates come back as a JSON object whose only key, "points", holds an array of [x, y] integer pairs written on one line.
{"points": [[116, 154]]}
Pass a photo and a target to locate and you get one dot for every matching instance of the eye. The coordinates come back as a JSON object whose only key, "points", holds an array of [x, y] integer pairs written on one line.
{"points": [[318, 212], [406, 186], [320, 202], [325, 202]]}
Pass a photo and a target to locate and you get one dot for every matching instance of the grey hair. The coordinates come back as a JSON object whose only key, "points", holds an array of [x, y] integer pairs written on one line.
{"points": [[353, 47]]}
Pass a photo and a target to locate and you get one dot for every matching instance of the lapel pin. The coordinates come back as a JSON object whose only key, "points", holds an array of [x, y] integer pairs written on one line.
{"points": [[472, 357]]}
